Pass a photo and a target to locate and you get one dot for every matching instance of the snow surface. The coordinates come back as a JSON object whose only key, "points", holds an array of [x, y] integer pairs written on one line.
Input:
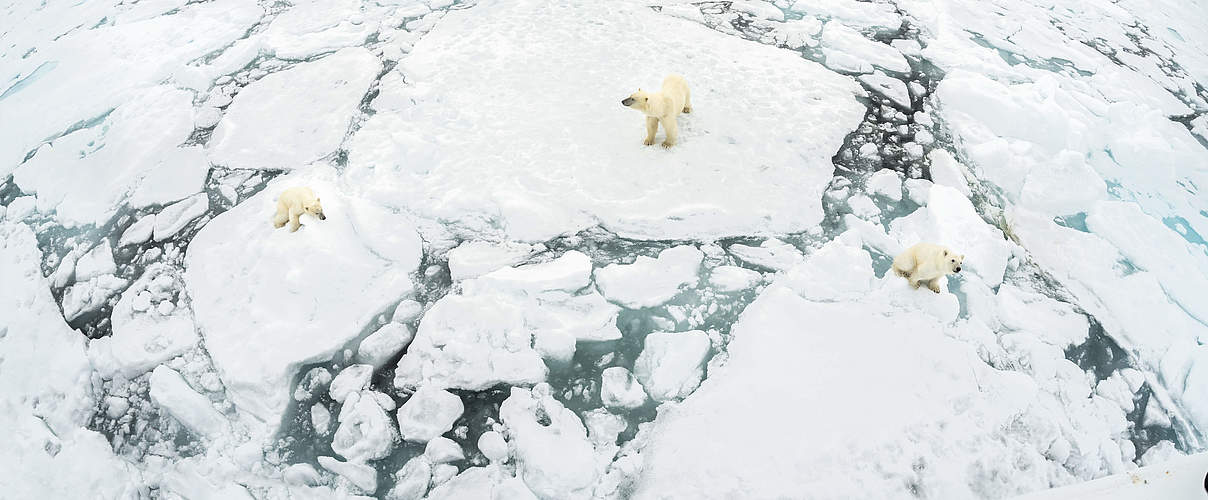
{"points": [[493, 222], [477, 71], [650, 282], [317, 99], [315, 288]]}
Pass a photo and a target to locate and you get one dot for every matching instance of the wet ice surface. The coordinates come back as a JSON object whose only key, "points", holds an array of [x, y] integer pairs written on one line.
{"points": [[511, 296]]}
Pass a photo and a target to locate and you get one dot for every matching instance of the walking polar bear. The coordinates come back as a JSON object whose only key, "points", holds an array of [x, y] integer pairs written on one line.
{"points": [[927, 263], [662, 107], [294, 202]]}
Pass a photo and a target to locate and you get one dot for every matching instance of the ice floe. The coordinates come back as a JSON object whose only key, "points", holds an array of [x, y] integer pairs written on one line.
{"points": [[313, 287]]}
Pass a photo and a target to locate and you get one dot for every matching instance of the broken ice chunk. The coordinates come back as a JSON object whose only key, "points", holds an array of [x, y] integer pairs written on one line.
{"points": [[798, 33], [837, 38], [570, 272], [671, 365], [863, 207], [176, 216], [365, 431], [352, 379], [318, 98], [553, 455], [442, 450], [892, 88], [428, 414], [383, 344], [90, 295], [772, 254], [733, 278], [170, 391], [411, 481], [619, 389], [650, 282], [360, 475], [315, 380], [492, 445], [320, 418], [475, 258], [96, 262], [887, 183]]}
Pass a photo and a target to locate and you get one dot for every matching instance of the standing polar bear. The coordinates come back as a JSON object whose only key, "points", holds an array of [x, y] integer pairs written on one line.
{"points": [[927, 263], [662, 107], [292, 203]]}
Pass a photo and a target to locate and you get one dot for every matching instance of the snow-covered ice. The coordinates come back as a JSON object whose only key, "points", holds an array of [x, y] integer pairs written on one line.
{"points": [[554, 457], [571, 312], [505, 325], [672, 364], [650, 282], [365, 431], [315, 288], [170, 391], [317, 99], [381, 345], [553, 182], [428, 413], [619, 389]]}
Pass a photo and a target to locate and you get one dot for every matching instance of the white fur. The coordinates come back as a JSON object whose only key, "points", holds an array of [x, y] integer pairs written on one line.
{"points": [[662, 107], [292, 203], [927, 263]]}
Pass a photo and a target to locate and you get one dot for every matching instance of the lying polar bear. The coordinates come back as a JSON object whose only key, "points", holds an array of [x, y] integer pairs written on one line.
{"points": [[927, 263], [292, 203], [662, 107]]}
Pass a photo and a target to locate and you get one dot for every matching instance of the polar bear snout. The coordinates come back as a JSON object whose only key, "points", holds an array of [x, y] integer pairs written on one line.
{"points": [[324, 217], [626, 101], [958, 269]]}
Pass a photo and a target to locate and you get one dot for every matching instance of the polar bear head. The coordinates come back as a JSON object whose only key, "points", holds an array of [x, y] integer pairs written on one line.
{"points": [[636, 100], [953, 261], [313, 207]]}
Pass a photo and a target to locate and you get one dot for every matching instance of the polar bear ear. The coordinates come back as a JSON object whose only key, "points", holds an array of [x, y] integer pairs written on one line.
{"points": [[945, 252]]}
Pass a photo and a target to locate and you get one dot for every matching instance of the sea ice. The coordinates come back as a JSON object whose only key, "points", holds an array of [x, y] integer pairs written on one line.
{"points": [[315, 289], [475, 258], [554, 457], [365, 432], [170, 391], [505, 325], [672, 364], [142, 336], [351, 380], [551, 183], [733, 278], [619, 389], [837, 38], [428, 414], [45, 390], [892, 88], [381, 345], [651, 282], [291, 118], [773, 254], [360, 475], [442, 450]]}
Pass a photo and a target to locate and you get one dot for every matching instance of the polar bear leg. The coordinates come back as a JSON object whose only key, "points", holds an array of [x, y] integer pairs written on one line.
{"points": [[687, 101], [934, 285], [294, 223], [280, 218], [672, 129], [652, 127]]}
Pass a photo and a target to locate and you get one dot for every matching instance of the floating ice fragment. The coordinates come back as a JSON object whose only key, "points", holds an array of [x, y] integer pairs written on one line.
{"points": [[671, 365]]}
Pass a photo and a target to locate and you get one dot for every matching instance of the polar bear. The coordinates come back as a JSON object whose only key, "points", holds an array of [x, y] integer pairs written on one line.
{"points": [[292, 203], [662, 106], [927, 263]]}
